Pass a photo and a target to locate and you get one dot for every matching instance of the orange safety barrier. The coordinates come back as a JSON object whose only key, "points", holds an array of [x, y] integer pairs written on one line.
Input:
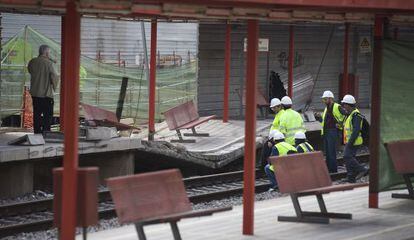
{"points": [[27, 110]]}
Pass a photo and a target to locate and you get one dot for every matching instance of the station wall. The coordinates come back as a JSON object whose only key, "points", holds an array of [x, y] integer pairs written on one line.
{"points": [[311, 40]]}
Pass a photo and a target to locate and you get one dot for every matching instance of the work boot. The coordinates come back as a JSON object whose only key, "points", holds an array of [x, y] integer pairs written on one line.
{"points": [[362, 173]]}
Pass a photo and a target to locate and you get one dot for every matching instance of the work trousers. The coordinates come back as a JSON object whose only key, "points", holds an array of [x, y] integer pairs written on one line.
{"points": [[353, 167], [271, 176], [330, 138], [42, 114]]}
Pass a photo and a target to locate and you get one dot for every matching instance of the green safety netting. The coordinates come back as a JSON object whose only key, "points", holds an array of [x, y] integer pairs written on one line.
{"points": [[397, 101], [99, 82]]}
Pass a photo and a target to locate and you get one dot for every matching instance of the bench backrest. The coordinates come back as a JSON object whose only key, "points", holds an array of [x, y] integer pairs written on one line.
{"points": [[402, 155], [94, 113], [298, 172], [148, 195], [181, 115]]}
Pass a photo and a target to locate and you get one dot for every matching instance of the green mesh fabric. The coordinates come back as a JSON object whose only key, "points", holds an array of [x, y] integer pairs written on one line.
{"points": [[397, 101], [100, 83]]}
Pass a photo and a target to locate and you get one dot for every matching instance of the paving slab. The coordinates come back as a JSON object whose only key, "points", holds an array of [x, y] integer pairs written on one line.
{"points": [[393, 220]]}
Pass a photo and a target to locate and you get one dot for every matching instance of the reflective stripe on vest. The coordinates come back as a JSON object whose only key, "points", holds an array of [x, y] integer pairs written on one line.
{"points": [[339, 117], [290, 123], [306, 147], [276, 121], [348, 129], [283, 148]]}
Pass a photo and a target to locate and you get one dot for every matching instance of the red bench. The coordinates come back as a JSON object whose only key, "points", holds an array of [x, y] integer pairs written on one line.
{"points": [[261, 101], [306, 175], [101, 117], [155, 197], [402, 156], [185, 116]]}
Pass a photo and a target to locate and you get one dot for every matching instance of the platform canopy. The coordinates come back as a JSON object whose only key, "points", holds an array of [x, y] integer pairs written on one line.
{"points": [[276, 10]]}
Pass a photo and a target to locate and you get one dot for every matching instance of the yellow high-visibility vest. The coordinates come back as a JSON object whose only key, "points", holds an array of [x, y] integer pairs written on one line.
{"points": [[306, 147], [276, 121], [290, 123], [283, 148], [348, 129]]}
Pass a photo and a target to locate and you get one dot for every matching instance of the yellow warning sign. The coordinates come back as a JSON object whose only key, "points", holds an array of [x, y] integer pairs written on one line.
{"points": [[364, 45]]}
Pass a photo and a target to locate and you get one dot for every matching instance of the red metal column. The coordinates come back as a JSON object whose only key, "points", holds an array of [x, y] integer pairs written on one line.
{"points": [[345, 80], [374, 141], [290, 59], [70, 158], [153, 72], [227, 56], [62, 77], [250, 128]]}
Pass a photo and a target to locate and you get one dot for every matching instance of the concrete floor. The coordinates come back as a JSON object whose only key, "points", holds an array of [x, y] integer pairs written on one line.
{"points": [[393, 220]]}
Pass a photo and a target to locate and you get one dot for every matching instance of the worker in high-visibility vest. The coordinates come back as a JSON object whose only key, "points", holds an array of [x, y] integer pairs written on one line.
{"points": [[352, 140], [276, 107], [302, 145], [332, 122], [280, 148], [291, 121]]}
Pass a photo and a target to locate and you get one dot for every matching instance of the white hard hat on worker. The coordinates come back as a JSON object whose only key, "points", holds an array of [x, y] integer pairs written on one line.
{"points": [[348, 99], [276, 135], [275, 102], [286, 100], [327, 94], [300, 135]]}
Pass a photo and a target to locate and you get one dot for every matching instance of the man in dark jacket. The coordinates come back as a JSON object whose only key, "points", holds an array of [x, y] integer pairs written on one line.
{"points": [[43, 83]]}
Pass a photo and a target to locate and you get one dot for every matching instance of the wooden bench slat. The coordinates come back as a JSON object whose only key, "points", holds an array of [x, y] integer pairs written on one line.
{"points": [[333, 188], [197, 122], [190, 214]]}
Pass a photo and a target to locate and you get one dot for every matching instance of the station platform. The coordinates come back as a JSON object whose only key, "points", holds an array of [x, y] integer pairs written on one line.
{"points": [[393, 220], [26, 168], [224, 145]]}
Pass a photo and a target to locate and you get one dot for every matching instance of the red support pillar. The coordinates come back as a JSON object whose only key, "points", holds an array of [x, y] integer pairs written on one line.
{"points": [[227, 56], [290, 59], [62, 77], [250, 128], [374, 141], [345, 80], [153, 72], [70, 159]]}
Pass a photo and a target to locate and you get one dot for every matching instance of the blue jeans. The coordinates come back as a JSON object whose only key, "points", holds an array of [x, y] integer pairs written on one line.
{"points": [[353, 167], [330, 137], [271, 176]]}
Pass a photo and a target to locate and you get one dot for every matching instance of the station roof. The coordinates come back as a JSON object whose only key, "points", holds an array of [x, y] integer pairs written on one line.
{"points": [[268, 10]]}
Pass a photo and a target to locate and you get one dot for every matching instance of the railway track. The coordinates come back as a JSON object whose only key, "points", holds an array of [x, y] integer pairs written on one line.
{"points": [[37, 215]]}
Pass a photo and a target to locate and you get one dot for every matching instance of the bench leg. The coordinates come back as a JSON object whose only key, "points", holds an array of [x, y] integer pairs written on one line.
{"points": [[196, 134], [325, 213], [175, 231], [180, 138], [410, 195], [300, 216], [140, 231]]}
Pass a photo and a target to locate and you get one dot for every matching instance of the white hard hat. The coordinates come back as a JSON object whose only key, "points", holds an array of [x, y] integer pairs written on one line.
{"points": [[300, 135], [276, 135], [327, 94], [275, 102], [349, 99], [286, 100]]}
